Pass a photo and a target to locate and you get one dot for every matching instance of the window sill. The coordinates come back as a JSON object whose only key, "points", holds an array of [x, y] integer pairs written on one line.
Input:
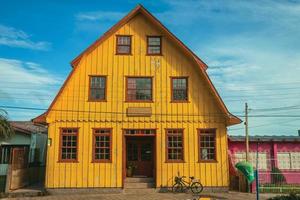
{"points": [[91, 100], [68, 161], [181, 101], [174, 161], [158, 54], [101, 161], [207, 161], [123, 54], [139, 101]]}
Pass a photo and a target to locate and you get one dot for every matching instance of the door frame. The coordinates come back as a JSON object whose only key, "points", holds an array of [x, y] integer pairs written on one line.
{"points": [[124, 136]]}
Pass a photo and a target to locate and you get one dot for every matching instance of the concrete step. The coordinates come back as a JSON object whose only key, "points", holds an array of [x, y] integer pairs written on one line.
{"points": [[138, 185], [139, 180]]}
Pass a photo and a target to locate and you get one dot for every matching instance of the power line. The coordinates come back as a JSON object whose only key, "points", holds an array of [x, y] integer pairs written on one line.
{"points": [[166, 114], [266, 124]]}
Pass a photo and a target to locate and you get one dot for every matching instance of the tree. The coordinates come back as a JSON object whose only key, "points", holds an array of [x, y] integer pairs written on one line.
{"points": [[6, 129]]}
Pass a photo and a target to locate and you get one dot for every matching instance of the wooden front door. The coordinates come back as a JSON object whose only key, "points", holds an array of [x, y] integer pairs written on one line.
{"points": [[140, 154]]}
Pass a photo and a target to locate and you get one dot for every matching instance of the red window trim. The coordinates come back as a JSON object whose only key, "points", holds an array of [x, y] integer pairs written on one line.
{"points": [[187, 89], [130, 46], [94, 160], [60, 145], [138, 101], [166, 143], [105, 89], [214, 133], [160, 45]]}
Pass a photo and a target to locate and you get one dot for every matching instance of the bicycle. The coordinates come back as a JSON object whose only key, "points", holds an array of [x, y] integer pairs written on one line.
{"points": [[181, 185]]}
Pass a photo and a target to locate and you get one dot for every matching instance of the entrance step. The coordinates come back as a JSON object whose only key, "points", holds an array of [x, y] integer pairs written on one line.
{"points": [[139, 183], [139, 180]]}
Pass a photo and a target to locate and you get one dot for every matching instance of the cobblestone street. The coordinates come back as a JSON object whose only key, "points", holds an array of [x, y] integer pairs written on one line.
{"points": [[138, 195]]}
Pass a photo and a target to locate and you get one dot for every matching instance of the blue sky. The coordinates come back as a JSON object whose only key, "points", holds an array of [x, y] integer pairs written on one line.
{"points": [[252, 49]]}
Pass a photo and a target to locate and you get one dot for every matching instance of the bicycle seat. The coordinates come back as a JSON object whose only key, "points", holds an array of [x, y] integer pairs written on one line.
{"points": [[192, 177]]}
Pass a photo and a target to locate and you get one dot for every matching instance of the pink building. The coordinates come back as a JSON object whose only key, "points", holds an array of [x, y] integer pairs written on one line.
{"points": [[282, 152]]}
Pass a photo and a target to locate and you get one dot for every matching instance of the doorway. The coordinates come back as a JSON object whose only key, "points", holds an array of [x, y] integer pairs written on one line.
{"points": [[139, 154], [139, 150]]}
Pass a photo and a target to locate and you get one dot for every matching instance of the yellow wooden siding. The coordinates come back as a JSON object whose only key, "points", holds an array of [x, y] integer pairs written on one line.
{"points": [[72, 109]]}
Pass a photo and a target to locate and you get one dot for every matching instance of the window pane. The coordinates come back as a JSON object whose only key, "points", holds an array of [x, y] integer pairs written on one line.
{"points": [[69, 144], [102, 144], [123, 49], [154, 50], [154, 45], [123, 44], [284, 160], [154, 41], [124, 40], [139, 89], [97, 88], [207, 145], [179, 87], [175, 144], [295, 160]]}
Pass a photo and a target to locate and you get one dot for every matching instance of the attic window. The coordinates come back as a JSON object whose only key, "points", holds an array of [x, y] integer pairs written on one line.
{"points": [[97, 88], [154, 45], [123, 44]]}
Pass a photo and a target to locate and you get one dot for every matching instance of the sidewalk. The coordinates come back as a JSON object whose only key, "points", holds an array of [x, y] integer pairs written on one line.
{"points": [[146, 195]]}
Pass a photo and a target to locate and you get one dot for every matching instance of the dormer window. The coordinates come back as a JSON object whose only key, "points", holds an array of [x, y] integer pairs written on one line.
{"points": [[153, 45], [123, 44]]}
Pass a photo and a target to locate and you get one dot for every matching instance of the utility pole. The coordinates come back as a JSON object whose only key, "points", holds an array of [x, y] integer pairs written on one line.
{"points": [[246, 132]]}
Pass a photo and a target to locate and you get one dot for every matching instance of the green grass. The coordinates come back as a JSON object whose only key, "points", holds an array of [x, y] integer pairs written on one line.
{"points": [[272, 188]]}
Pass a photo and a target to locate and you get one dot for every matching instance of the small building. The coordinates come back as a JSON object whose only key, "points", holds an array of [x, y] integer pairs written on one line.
{"points": [[274, 152], [137, 98], [28, 137]]}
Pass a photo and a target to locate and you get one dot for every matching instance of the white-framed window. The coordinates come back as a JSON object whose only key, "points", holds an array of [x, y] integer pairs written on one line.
{"points": [[262, 159], [295, 157], [288, 160]]}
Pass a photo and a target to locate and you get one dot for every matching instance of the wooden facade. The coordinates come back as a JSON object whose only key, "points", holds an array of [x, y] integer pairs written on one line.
{"points": [[72, 108]]}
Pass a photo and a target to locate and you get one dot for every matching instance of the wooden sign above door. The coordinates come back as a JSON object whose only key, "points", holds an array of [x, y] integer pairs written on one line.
{"points": [[139, 111]]}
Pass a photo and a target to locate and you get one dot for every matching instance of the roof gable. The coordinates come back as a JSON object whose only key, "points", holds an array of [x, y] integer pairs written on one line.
{"points": [[127, 18], [231, 119]]}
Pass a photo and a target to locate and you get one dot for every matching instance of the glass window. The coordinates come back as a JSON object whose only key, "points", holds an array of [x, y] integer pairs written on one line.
{"points": [[262, 159], [97, 88], [174, 139], [284, 160], [68, 149], [179, 89], [139, 89], [288, 160], [207, 141], [102, 145], [153, 45], [123, 44], [295, 157]]}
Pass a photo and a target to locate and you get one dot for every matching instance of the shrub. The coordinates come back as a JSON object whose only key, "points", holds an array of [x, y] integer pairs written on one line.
{"points": [[277, 176], [292, 196]]}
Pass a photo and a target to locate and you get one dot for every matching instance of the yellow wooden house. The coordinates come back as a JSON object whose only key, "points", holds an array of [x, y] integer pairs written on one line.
{"points": [[137, 98]]}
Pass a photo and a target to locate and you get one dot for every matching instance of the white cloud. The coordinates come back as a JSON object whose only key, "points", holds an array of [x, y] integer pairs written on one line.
{"points": [[12, 37], [26, 83], [96, 22], [252, 50], [99, 16]]}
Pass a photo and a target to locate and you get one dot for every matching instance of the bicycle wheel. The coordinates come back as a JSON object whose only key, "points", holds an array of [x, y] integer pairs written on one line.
{"points": [[196, 187], [177, 187]]}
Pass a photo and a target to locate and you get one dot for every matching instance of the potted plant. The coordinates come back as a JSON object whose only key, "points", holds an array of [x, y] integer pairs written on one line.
{"points": [[130, 169]]}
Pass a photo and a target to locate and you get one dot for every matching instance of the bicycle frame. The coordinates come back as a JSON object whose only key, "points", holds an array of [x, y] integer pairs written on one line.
{"points": [[185, 183]]}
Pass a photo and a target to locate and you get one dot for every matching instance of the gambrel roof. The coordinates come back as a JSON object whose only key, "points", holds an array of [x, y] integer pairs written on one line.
{"points": [[231, 119]]}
